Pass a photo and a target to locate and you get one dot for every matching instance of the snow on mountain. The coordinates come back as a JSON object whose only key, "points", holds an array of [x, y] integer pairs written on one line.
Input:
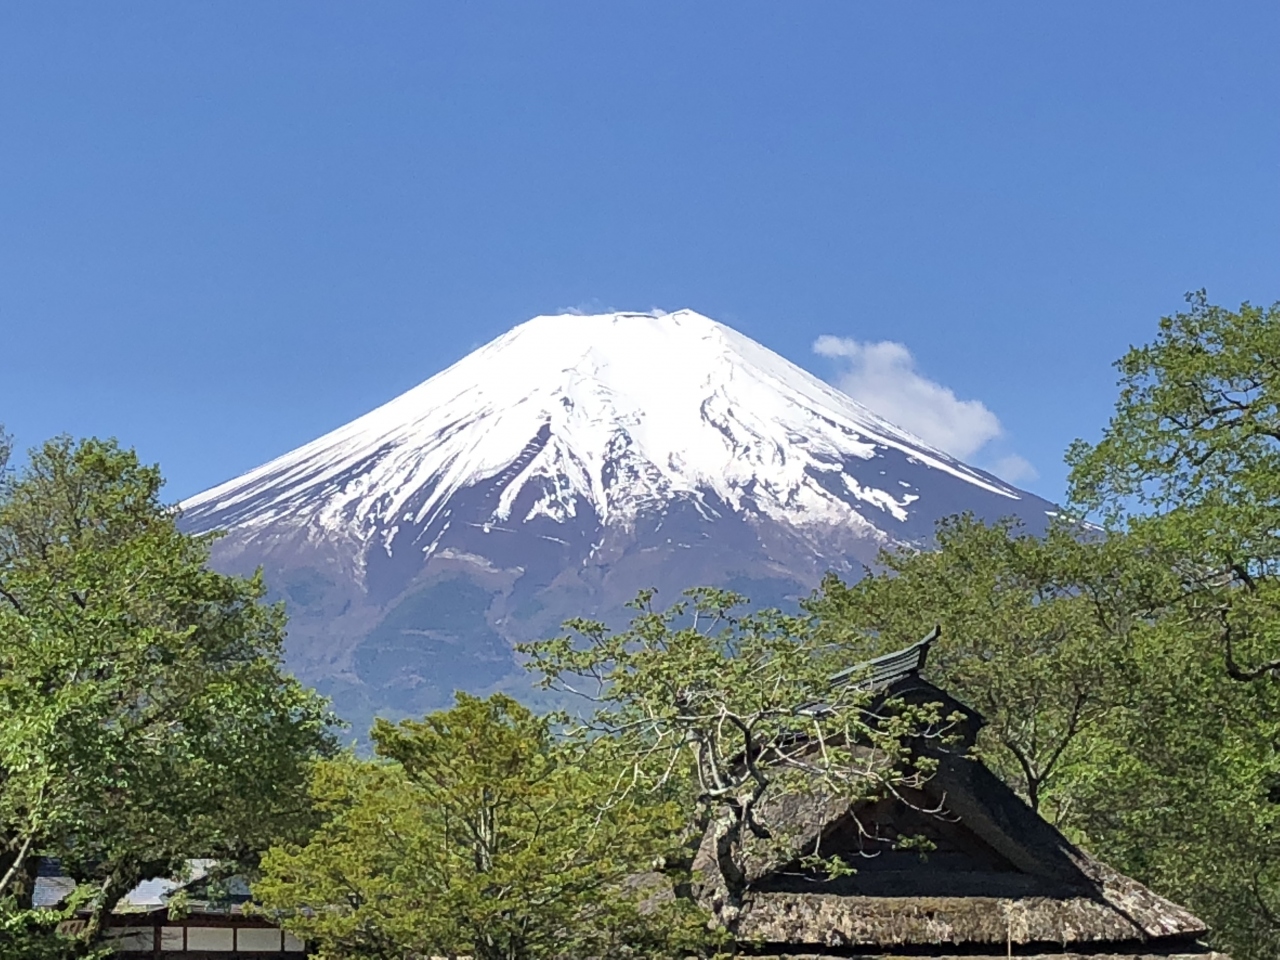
{"points": [[640, 409], [556, 470]]}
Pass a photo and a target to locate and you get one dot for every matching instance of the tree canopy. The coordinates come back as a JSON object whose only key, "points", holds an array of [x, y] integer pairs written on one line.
{"points": [[1190, 461], [1188, 469], [1036, 635], [480, 833], [144, 714]]}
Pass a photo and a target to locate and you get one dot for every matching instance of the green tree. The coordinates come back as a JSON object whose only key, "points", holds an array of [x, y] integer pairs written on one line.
{"points": [[1180, 790], [1190, 461], [1036, 635], [479, 834], [1189, 466], [144, 715], [729, 710]]}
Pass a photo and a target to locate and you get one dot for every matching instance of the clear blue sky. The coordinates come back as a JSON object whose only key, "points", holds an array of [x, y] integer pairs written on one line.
{"points": [[226, 228]]}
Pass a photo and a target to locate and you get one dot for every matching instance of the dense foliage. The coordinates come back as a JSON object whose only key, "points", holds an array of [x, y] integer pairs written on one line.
{"points": [[144, 717], [1190, 462], [1037, 636], [480, 834], [1189, 469]]}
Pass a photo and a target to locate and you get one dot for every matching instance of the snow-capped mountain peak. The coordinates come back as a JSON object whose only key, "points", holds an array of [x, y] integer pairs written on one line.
{"points": [[610, 413]]}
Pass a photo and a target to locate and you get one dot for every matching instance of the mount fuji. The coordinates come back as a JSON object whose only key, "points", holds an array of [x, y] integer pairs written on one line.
{"points": [[554, 472]]}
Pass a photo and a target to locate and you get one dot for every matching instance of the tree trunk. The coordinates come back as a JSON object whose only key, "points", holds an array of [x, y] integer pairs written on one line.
{"points": [[728, 837]]}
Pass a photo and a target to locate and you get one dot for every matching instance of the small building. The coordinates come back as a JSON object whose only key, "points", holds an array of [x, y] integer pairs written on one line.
{"points": [[211, 920], [997, 881]]}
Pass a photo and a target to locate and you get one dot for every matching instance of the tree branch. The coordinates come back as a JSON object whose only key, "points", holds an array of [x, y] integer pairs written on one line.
{"points": [[17, 865], [13, 600], [1234, 670]]}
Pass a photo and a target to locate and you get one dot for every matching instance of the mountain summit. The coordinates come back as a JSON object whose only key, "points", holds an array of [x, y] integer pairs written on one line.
{"points": [[555, 471]]}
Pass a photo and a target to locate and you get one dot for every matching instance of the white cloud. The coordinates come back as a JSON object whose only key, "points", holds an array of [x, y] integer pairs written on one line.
{"points": [[587, 308], [883, 377], [597, 307], [1015, 469]]}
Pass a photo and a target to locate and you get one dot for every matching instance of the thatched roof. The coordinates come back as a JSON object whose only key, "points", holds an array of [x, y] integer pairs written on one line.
{"points": [[834, 920], [998, 877]]}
